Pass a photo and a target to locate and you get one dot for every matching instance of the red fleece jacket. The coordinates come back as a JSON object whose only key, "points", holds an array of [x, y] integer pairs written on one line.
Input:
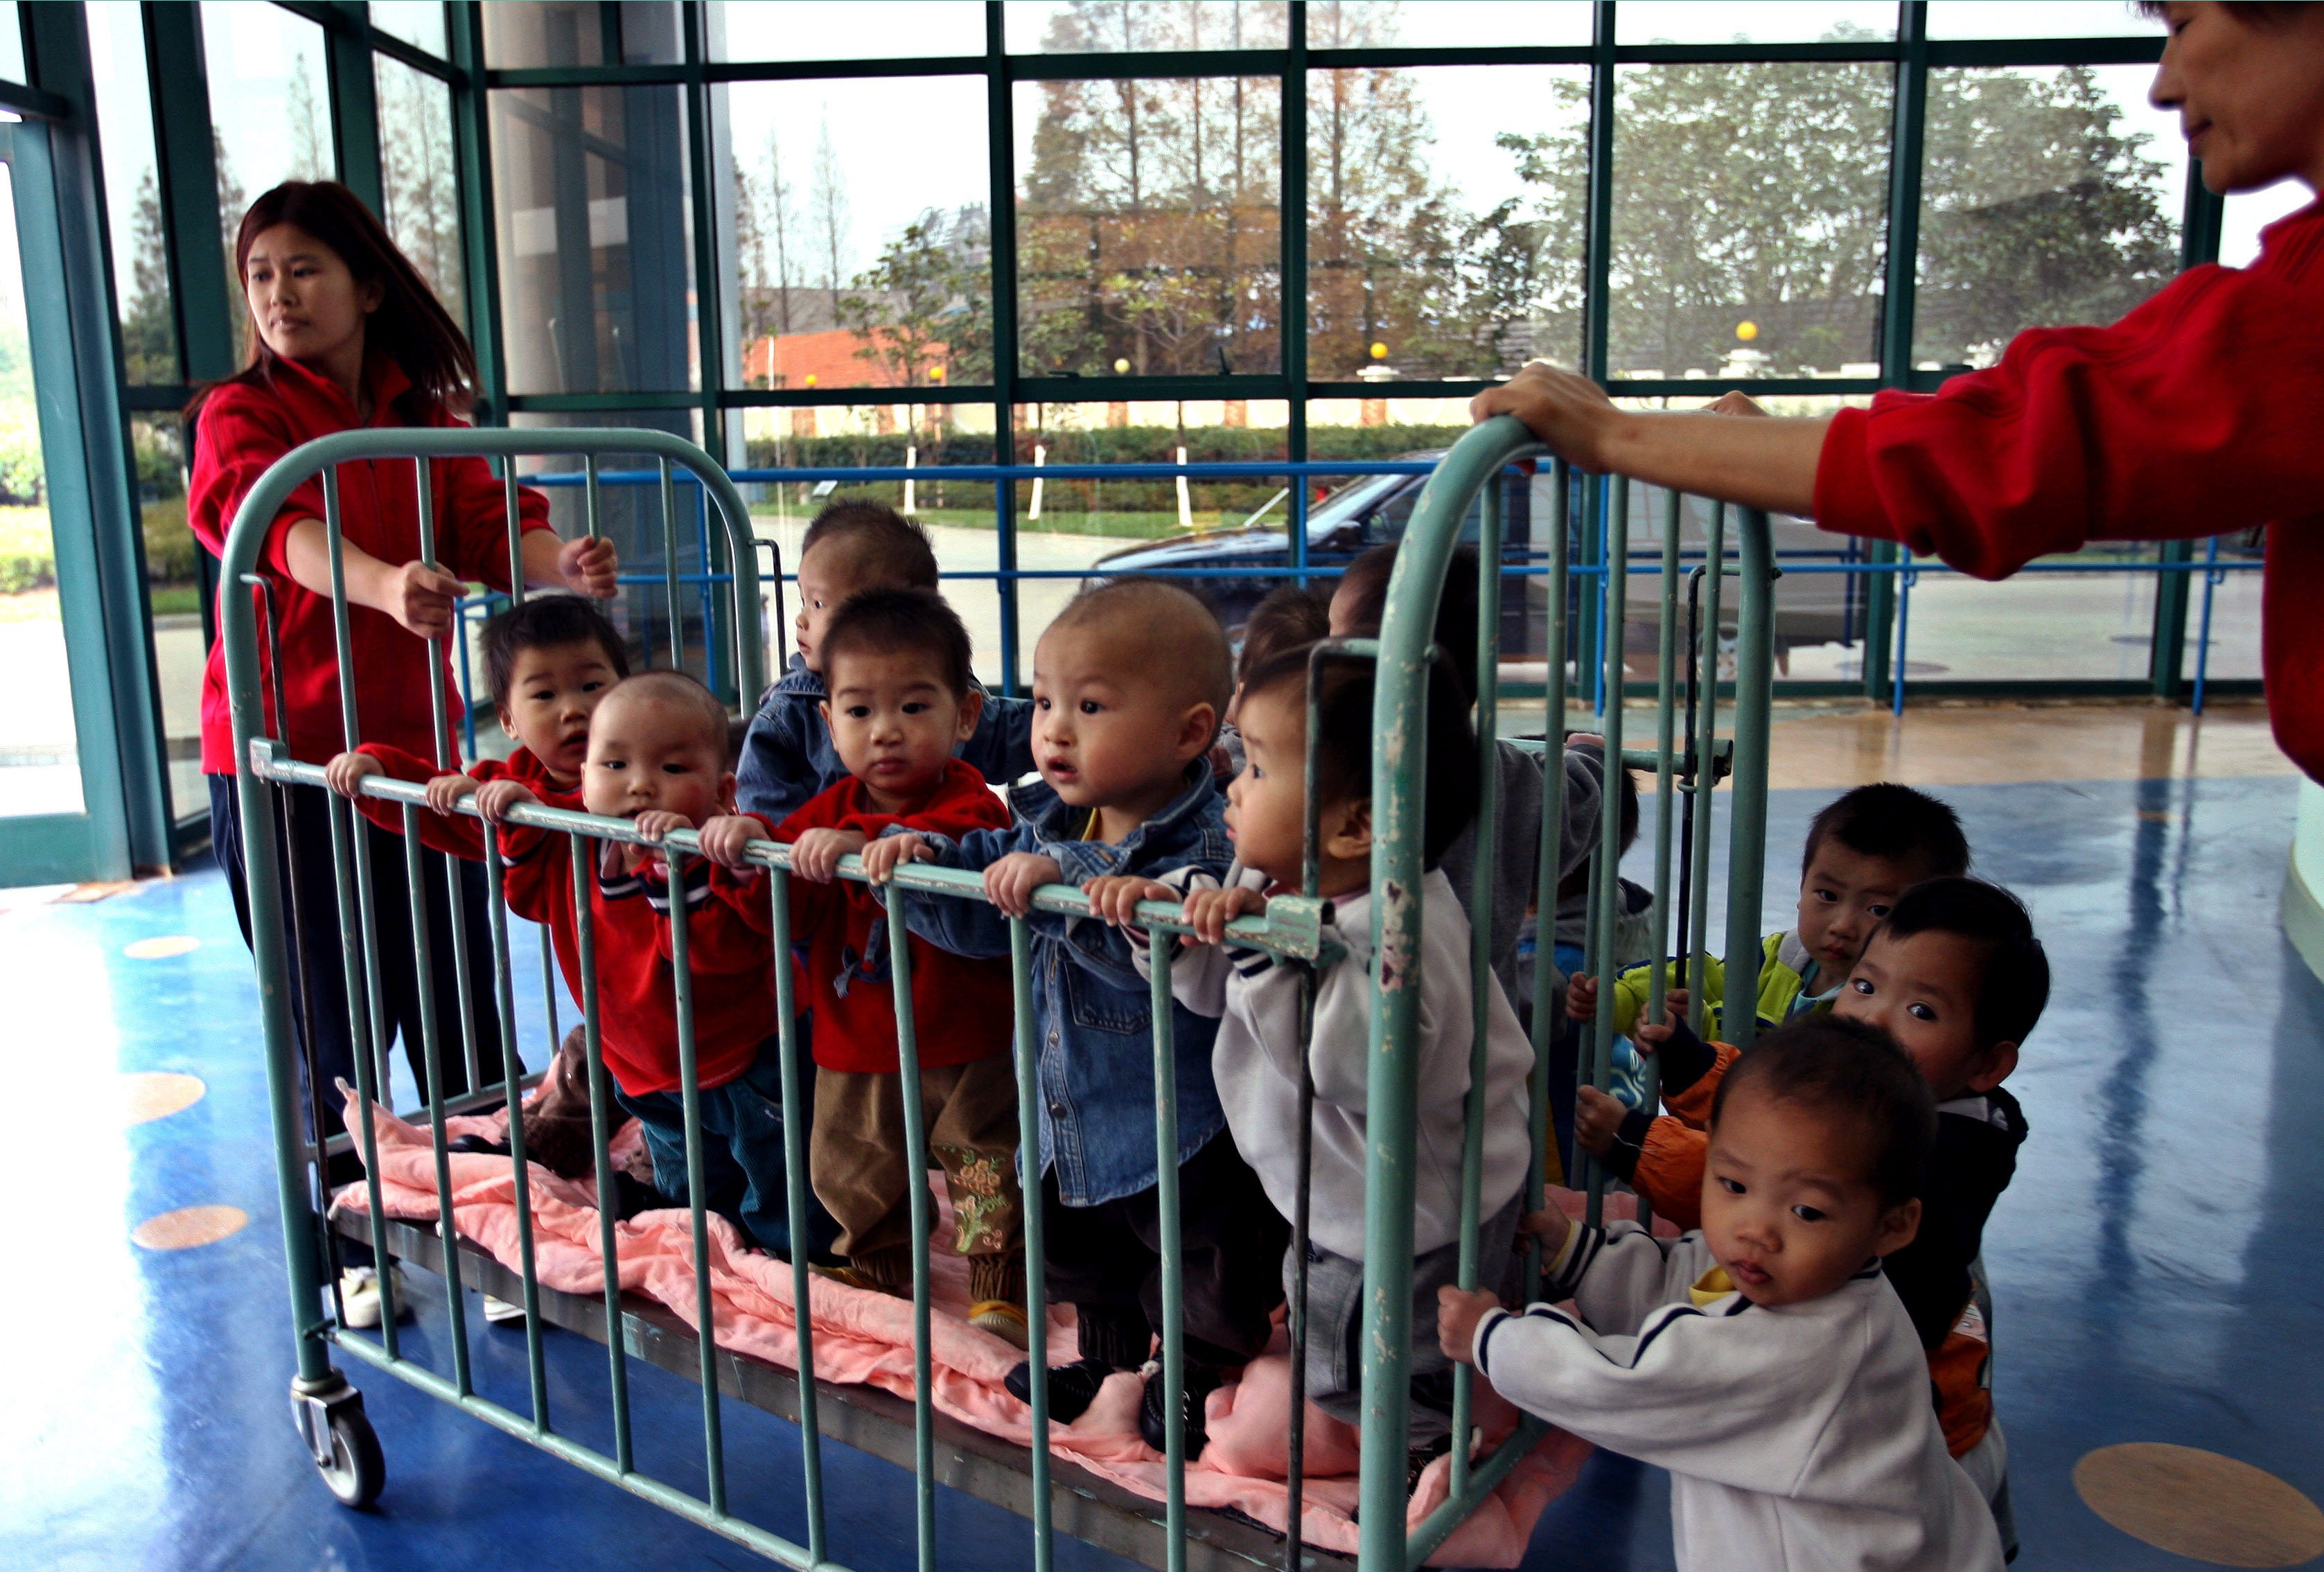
{"points": [[962, 1009], [2195, 415]]}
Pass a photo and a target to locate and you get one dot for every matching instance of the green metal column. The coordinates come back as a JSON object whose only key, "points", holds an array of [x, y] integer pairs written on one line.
{"points": [[1292, 223], [1596, 313], [480, 259], [2199, 243], [1905, 151], [59, 36], [188, 153], [355, 102], [1000, 147]]}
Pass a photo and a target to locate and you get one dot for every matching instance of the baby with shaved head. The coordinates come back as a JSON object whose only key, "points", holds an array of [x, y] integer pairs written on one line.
{"points": [[1129, 686]]}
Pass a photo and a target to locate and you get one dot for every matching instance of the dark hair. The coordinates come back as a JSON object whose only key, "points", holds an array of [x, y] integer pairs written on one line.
{"points": [[1291, 617], [1184, 639], [410, 326], [1343, 745], [2014, 984], [876, 536], [546, 622], [888, 621], [1456, 609], [1895, 823], [1857, 1072]]}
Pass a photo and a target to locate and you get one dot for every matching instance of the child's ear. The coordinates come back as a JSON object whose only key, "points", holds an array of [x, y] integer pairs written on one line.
{"points": [[1994, 1066], [508, 721], [726, 791], [1347, 830], [825, 705], [1899, 1226], [1196, 728], [972, 711]]}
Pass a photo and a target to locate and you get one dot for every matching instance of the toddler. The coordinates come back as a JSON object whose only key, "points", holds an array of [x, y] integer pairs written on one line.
{"points": [[788, 754], [1864, 850], [1290, 617], [1956, 975], [896, 664], [1797, 1437], [549, 660], [657, 757], [1257, 1060], [1128, 683]]}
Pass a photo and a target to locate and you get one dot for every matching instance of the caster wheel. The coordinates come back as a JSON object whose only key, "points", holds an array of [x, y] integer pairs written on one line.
{"points": [[356, 1470]]}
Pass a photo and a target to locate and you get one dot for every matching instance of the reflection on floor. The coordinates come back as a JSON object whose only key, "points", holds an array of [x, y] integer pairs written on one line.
{"points": [[2153, 1266]]}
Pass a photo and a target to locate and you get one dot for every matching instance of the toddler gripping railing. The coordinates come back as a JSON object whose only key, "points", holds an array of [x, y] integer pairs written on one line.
{"points": [[330, 1411]]}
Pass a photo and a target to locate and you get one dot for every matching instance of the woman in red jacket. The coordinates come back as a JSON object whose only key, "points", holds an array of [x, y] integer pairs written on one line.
{"points": [[344, 334], [2196, 415]]}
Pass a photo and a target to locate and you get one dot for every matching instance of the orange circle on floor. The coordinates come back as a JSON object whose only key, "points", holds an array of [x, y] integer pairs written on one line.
{"points": [[156, 1094], [161, 948], [188, 1227], [2197, 1503]]}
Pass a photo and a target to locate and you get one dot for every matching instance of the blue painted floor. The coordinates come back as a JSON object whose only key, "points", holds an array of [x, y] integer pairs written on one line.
{"points": [[2153, 1265]]}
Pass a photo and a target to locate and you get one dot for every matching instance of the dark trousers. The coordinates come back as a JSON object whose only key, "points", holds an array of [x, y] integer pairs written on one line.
{"points": [[745, 1167], [1106, 1262], [318, 967]]}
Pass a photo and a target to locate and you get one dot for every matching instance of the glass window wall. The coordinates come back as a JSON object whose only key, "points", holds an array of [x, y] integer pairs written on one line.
{"points": [[546, 35], [419, 179], [133, 193], [271, 112], [418, 22], [1449, 23], [1141, 27], [845, 30]]}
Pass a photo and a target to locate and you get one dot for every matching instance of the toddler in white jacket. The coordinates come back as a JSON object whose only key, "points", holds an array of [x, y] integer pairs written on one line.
{"points": [[1256, 1057], [1762, 1360]]}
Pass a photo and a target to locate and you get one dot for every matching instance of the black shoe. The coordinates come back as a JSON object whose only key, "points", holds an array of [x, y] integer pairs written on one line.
{"points": [[1201, 1380], [1416, 1460], [1072, 1387]]}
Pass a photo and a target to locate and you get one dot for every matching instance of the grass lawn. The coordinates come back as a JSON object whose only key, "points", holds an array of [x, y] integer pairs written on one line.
{"points": [[27, 558]]}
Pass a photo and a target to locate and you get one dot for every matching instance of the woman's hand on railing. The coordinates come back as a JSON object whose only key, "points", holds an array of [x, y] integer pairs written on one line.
{"points": [[1458, 1311], [417, 596], [1571, 414], [343, 774], [1209, 911], [1114, 897], [1009, 882], [494, 798], [815, 854], [445, 790], [589, 566], [890, 853]]}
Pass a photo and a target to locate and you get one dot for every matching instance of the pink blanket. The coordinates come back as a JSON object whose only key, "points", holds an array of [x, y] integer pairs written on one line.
{"points": [[864, 1337]]}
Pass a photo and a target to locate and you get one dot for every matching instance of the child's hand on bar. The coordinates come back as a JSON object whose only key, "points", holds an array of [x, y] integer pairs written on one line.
{"points": [[1209, 911], [1596, 1118], [1010, 882], [343, 774], [1582, 998], [882, 857], [1550, 1226], [727, 837], [494, 798], [445, 790], [1114, 897], [589, 567], [815, 854], [1457, 1315]]}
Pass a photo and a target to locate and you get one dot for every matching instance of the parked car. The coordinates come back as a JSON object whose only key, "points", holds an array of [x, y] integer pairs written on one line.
{"points": [[1810, 609]]}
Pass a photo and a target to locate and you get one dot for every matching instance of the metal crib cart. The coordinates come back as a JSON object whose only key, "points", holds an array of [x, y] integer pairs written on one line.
{"points": [[1688, 756]]}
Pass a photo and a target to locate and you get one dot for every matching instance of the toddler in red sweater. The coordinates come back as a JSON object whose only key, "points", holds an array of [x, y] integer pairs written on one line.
{"points": [[549, 660], [900, 699], [658, 757]]}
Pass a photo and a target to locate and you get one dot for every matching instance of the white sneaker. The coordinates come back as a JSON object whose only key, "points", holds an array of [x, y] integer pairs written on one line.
{"points": [[359, 1293], [499, 1312]]}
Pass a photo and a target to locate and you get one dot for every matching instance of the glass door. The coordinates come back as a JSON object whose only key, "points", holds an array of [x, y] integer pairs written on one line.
{"points": [[61, 812]]}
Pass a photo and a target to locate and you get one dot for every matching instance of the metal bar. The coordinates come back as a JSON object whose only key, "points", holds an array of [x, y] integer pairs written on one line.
{"points": [[1665, 726], [2212, 579], [430, 1048], [1438, 1525], [1173, 1269], [1746, 845], [669, 568], [515, 517], [690, 1092], [1548, 1016], [1904, 582], [351, 955], [1706, 777], [916, 1170], [601, 1124], [1036, 1298], [1612, 633], [796, 1169], [1481, 983], [513, 1080]]}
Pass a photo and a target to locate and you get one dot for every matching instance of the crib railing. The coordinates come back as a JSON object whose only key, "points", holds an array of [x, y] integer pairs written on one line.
{"points": [[1688, 756]]}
